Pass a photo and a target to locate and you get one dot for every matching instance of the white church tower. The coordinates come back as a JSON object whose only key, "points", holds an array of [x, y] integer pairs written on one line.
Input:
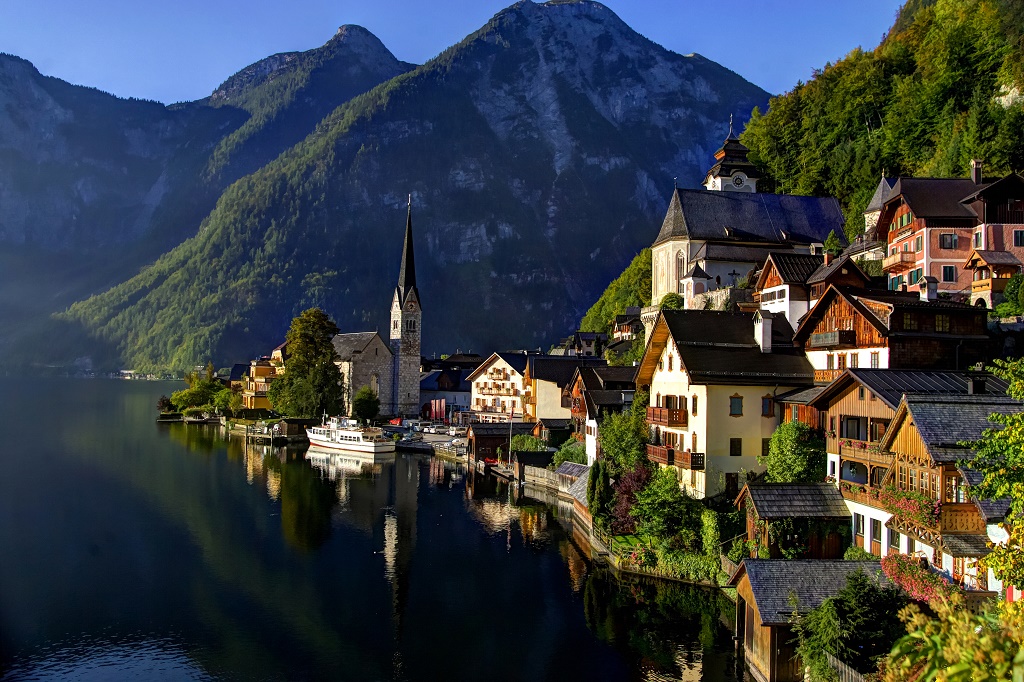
{"points": [[406, 316]]}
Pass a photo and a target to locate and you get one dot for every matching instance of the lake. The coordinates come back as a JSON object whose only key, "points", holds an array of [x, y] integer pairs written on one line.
{"points": [[132, 550]]}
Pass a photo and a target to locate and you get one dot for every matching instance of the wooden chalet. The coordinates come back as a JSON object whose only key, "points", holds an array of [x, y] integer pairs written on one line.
{"points": [[593, 393], [990, 273], [889, 329], [552, 431], [765, 593], [814, 515], [782, 285], [859, 408], [925, 442]]}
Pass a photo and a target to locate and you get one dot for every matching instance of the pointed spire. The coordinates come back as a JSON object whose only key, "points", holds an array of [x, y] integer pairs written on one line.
{"points": [[731, 135], [407, 274]]}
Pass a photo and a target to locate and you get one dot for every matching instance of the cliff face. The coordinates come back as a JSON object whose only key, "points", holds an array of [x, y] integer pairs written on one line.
{"points": [[539, 153]]}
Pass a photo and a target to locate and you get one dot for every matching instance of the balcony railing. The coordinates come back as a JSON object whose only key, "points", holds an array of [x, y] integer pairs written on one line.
{"points": [[498, 391], [826, 376], [664, 416], [660, 454], [860, 450], [961, 518], [901, 260], [690, 460], [996, 285], [833, 339]]}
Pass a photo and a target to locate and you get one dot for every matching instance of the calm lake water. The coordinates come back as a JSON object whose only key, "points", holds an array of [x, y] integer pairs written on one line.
{"points": [[130, 550]]}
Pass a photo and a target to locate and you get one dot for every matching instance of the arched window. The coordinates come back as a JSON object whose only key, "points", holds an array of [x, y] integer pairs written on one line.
{"points": [[670, 402], [680, 271], [657, 400], [375, 384]]}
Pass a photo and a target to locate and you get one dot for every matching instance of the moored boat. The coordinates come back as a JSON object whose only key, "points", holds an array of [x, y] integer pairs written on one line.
{"points": [[344, 434]]}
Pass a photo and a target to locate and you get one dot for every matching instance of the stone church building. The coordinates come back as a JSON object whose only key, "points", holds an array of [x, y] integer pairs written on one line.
{"points": [[391, 368]]}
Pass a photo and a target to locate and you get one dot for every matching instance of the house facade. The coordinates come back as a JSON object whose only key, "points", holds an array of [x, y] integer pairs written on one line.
{"points": [[497, 389], [713, 378], [256, 383]]}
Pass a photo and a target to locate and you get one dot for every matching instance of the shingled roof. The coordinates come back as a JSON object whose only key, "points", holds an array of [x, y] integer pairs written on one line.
{"points": [[348, 345], [890, 385], [795, 500], [795, 268], [935, 197], [881, 195], [947, 420], [775, 583], [826, 270], [572, 469], [719, 348], [751, 217]]}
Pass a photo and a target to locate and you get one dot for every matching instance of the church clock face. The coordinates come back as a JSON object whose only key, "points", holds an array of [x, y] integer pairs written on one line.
{"points": [[411, 306], [738, 180]]}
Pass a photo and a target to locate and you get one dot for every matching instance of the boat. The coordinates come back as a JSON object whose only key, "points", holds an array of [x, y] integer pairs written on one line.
{"points": [[345, 434], [335, 464]]}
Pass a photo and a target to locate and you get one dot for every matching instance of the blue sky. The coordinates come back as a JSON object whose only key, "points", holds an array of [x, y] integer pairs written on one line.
{"points": [[176, 51]]}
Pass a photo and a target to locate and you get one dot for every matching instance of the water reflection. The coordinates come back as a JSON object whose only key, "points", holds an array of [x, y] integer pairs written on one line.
{"points": [[248, 561]]}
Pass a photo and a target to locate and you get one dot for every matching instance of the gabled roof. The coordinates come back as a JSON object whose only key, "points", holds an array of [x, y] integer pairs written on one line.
{"points": [[945, 421], [755, 217], [792, 268], [348, 345], [894, 300], [578, 489], [844, 261], [572, 469], [719, 348], [993, 511], [800, 396], [557, 424], [775, 583], [795, 500], [559, 370], [934, 197], [516, 361], [890, 385], [881, 195], [431, 381], [988, 257], [500, 428], [1011, 183]]}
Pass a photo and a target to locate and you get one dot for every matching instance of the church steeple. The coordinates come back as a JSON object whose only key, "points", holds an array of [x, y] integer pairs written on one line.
{"points": [[407, 274], [732, 170], [406, 316]]}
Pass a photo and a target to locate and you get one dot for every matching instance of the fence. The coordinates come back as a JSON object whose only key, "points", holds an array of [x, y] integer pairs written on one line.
{"points": [[844, 672], [540, 476]]}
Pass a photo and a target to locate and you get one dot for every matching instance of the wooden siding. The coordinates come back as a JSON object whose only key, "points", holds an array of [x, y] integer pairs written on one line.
{"points": [[908, 445], [757, 638], [840, 315], [773, 279]]}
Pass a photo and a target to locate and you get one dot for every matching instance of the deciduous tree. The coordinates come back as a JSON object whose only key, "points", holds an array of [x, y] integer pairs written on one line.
{"points": [[365, 404], [311, 385], [796, 454]]}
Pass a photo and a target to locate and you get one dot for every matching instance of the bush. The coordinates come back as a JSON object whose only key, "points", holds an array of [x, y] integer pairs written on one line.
{"points": [[738, 551], [524, 442], [570, 451], [855, 553]]}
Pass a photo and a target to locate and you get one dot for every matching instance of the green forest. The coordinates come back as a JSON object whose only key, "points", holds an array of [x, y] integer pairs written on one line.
{"points": [[939, 90]]}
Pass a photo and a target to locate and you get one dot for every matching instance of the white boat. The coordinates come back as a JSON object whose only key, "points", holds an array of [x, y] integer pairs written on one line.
{"points": [[345, 434], [335, 464]]}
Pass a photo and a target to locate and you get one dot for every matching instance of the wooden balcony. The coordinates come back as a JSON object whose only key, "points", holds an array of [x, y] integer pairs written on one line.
{"points": [[690, 460], [901, 260], [660, 454], [860, 450], [663, 416], [862, 493], [840, 338], [996, 285], [826, 376]]}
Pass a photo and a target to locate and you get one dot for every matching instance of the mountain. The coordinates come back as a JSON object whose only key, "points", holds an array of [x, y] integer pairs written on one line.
{"points": [[943, 87], [85, 175], [538, 153]]}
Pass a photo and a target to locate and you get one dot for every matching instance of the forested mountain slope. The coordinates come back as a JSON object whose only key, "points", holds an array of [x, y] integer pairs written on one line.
{"points": [[942, 88], [539, 153]]}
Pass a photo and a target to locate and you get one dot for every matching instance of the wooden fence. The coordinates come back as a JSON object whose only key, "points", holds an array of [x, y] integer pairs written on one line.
{"points": [[844, 672], [540, 476]]}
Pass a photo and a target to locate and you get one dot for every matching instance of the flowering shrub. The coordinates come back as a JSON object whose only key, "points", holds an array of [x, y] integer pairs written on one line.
{"points": [[642, 557], [911, 506], [916, 580]]}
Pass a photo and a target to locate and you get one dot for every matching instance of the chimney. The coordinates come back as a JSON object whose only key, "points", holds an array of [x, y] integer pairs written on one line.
{"points": [[976, 171], [828, 258], [763, 330], [975, 385], [929, 289]]}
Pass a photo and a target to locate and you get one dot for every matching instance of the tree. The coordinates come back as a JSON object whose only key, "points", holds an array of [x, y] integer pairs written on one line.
{"points": [[859, 626], [311, 385], [365, 404], [1000, 459], [571, 450], [957, 645], [832, 244], [660, 507], [599, 493], [525, 442], [623, 437], [163, 404], [796, 454], [199, 394], [672, 301], [627, 485]]}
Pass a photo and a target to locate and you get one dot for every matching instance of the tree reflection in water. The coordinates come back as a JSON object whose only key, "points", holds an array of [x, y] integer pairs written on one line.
{"points": [[307, 500]]}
